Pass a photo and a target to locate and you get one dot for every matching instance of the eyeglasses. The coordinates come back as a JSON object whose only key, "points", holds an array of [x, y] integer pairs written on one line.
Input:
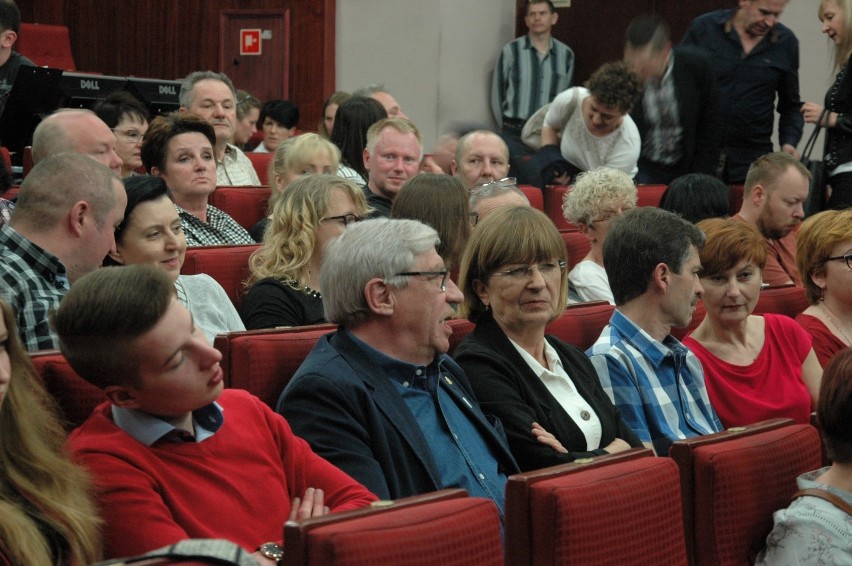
{"points": [[134, 136], [525, 272], [504, 183], [608, 215], [347, 219], [431, 274], [847, 258], [474, 217]]}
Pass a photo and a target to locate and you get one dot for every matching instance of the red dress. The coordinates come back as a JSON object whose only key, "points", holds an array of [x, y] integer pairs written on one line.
{"points": [[826, 344], [768, 388]]}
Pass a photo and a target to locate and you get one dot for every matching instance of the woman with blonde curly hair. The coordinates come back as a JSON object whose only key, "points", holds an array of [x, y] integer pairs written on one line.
{"points": [[284, 285], [598, 196], [46, 514]]}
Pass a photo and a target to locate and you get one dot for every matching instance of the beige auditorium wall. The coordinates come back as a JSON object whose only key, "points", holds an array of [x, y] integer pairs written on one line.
{"points": [[437, 55]]}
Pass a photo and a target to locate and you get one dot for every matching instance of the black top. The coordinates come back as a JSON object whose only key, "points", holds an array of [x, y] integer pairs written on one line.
{"points": [[508, 388], [258, 229], [381, 205], [9, 70], [839, 99], [271, 303]]}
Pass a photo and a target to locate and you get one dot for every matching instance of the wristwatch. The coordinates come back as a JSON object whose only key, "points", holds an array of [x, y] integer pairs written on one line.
{"points": [[272, 551]]}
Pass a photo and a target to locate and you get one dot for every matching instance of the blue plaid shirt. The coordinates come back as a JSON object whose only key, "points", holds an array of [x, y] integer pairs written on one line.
{"points": [[657, 386], [34, 280]]}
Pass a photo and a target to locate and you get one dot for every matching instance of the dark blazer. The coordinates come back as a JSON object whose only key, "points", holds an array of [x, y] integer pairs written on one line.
{"points": [[352, 415], [694, 84], [508, 388]]}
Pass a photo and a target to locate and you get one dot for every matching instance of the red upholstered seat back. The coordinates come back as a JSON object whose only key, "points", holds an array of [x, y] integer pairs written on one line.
{"points": [[581, 324], [553, 197], [75, 396], [451, 530], [618, 509], [46, 45], [650, 195], [576, 244], [461, 328], [260, 161], [228, 265], [787, 300], [263, 361], [534, 195], [733, 481], [246, 205]]}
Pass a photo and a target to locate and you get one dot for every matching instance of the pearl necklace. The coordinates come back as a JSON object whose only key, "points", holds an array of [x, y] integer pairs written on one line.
{"points": [[825, 310]]}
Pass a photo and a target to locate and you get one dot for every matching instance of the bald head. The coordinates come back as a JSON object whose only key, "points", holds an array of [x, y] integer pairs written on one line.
{"points": [[77, 131], [481, 156]]}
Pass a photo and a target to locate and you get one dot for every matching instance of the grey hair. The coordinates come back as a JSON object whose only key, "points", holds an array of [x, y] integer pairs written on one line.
{"points": [[186, 97], [380, 247], [371, 89], [594, 190], [489, 190]]}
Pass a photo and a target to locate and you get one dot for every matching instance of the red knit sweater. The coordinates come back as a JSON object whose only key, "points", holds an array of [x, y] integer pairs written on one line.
{"points": [[235, 485]]}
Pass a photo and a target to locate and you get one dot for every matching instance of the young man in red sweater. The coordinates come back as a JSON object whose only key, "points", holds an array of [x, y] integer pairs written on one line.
{"points": [[173, 455]]}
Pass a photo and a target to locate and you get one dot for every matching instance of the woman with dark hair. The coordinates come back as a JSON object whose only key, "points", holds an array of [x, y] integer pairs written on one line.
{"points": [[354, 117], [151, 233], [697, 196], [756, 367], [441, 201], [329, 111], [544, 391], [46, 514], [816, 528], [128, 118], [278, 119], [179, 148]]}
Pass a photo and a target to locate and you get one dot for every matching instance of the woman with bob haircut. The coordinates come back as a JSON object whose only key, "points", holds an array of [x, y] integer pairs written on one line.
{"points": [[598, 196], [815, 529], [46, 512], [756, 367], [441, 201], [284, 285], [824, 260], [151, 233], [545, 392], [354, 117], [278, 120], [179, 148]]}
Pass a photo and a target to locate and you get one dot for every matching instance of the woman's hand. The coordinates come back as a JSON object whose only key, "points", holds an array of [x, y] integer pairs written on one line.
{"points": [[617, 445], [811, 112], [547, 438]]}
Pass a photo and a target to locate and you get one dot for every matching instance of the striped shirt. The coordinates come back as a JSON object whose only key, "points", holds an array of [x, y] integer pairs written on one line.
{"points": [[657, 386], [33, 282], [524, 80]]}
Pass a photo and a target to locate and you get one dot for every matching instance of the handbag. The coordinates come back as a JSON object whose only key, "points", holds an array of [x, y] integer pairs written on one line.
{"points": [[531, 133], [816, 192]]}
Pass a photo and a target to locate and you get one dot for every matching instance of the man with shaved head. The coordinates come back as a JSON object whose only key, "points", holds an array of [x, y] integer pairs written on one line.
{"points": [[481, 156], [78, 131]]}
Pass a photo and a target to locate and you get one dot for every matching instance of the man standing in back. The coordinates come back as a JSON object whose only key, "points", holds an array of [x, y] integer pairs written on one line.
{"points": [[754, 59]]}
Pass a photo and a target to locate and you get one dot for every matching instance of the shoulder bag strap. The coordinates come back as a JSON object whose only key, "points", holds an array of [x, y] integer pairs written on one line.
{"points": [[809, 146], [828, 496]]}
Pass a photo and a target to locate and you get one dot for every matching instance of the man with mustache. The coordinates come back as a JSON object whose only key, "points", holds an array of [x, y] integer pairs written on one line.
{"points": [[380, 398], [211, 96], [774, 196], [753, 58], [651, 261]]}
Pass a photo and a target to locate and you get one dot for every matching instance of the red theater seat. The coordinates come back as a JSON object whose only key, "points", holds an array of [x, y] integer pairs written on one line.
{"points": [[260, 161], [246, 205], [581, 324], [263, 361], [650, 195], [622, 508], [461, 328], [228, 265], [443, 527], [534, 195], [734, 480], [577, 245], [553, 197], [75, 396], [46, 45], [787, 300]]}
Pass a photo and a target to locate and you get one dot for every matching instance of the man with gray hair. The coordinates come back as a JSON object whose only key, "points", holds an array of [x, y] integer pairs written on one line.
{"points": [[379, 93], [211, 96], [61, 229], [79, 131], [380, 398], [652, 263], [488, 197]]}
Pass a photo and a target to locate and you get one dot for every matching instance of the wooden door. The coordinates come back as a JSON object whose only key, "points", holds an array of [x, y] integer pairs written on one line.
{"points": [[265, 75]]}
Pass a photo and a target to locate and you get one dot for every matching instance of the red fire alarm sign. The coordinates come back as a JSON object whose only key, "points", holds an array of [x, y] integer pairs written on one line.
{"points": [[250, 42]]}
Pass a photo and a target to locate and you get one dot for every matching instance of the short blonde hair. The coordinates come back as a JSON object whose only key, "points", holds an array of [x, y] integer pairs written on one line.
{"points": [[816, 238], [516, 234], [594, 191], [401, 125]]}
